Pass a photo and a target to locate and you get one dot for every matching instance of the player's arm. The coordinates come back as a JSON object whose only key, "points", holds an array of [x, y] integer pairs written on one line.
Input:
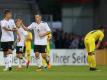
{"points": [[18, 36], [25, 28], [100, 40], [47, 32], [7, 29]]}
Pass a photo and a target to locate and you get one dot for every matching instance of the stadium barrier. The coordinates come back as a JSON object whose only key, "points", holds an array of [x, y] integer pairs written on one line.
{"points": [[65, 57], [58, 57], [101, 57]]}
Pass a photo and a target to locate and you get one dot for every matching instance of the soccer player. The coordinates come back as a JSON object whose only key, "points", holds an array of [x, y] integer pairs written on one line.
{"points": [[8, 27], [90, 39], [28, 47], [20, 44], [41, 30]]}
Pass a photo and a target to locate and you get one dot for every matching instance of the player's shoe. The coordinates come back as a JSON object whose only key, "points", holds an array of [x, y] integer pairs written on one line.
{"points": [[94, 69], [10, 69], [49, 66]]}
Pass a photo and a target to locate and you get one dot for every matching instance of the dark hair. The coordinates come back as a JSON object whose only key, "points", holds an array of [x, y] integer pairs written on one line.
{"points": [[19, 18], [38, 14], [101, 27], [6, 12]]}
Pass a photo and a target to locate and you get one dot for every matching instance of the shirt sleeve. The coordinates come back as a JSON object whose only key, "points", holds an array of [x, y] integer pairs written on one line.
{"points": [[47, 27], [14, 25], [3, 24], [31, 26], [101, 36]]}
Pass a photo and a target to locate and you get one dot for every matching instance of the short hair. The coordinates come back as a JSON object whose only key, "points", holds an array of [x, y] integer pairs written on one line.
{"points": [[38, 15], [19, 18], [6, 11], [101, 27]]}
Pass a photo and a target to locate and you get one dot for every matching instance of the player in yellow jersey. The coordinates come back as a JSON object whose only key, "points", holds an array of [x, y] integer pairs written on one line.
{"points": [[90, 39], [49, 36], [28, 47]]}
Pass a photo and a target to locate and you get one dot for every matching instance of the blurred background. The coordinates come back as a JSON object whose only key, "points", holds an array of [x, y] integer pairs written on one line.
{"points": [[69, 20]]}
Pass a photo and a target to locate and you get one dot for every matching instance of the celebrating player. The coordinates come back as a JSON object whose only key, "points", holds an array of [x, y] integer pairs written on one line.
{"points": [[8, 27], [41, 29], [90, 39], [20, 44]]}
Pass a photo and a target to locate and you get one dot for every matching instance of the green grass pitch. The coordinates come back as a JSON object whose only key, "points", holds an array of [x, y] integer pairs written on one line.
{"points": [[55, 73]]}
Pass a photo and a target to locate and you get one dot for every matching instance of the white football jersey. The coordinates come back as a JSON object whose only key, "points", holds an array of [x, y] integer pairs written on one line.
{"points": [[43, 26], [23, 35], [7, 35]]}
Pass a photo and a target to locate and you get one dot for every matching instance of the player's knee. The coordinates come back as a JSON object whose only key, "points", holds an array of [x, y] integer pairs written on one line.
{"points": [[9, 51], [44, 55], [36, 54], [90, 53]]}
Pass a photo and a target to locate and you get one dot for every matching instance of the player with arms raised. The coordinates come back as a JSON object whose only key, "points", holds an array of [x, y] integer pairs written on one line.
{"points": [[90, 39]]}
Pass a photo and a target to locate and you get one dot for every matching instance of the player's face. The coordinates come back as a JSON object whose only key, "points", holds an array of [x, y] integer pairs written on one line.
{"points": [[9, 15], [38, 18], [18, 22]]}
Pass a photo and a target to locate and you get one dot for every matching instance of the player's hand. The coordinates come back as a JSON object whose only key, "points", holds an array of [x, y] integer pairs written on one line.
{"points": [[18, 39], [42, 33], [14, 29]]}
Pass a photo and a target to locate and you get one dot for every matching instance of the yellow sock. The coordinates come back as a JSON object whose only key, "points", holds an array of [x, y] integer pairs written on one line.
{"points": [[93, 61], [44, 62], [89, 58]]}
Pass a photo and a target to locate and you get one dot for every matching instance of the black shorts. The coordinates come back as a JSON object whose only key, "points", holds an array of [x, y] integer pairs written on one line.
{"points": [[19, 49], [7, 45], [40, 48]]}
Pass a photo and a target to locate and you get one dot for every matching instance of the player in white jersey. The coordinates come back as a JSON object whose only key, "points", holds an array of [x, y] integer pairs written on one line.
{"points": [[41, 29], [7, 27], [21, 44]]}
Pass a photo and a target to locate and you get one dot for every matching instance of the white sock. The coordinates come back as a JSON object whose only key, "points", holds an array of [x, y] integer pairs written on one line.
{"points": [[6, 62], [9, 60], [19, 63], [38, 62]]}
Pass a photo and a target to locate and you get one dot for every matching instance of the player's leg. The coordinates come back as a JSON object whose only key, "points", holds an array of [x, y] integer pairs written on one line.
{"points": [[86, 42], [93, 60], [91, 54], [27, 56], [44, 55], [9, 55], [4, 48], [48, 52], [19, 52], [37, 57], [44, 64], [18, 56]]}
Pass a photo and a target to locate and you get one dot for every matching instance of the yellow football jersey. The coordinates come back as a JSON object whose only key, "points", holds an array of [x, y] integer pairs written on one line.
{"points": [[28, 41], [48, 43], [95, 35], [91, 38]]}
